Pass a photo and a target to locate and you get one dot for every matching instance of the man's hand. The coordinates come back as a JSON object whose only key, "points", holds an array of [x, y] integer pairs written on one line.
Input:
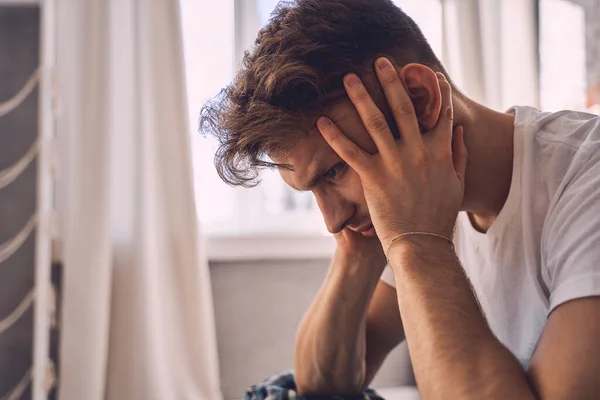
{"points": [[331, 346], [364, 251], [415, 183]]}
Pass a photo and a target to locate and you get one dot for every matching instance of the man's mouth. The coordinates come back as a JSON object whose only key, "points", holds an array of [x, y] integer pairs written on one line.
{"points": [[368, 230]]}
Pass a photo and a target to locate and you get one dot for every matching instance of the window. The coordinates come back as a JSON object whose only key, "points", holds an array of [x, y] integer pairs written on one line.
{"points": [[216, 33], [569, 31]]}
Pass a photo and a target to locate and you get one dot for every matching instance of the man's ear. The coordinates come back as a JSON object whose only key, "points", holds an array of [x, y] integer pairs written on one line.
{"points": [[424, 91]]}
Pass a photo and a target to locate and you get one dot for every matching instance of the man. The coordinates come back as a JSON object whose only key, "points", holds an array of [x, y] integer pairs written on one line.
{"points": [[348, 100]]}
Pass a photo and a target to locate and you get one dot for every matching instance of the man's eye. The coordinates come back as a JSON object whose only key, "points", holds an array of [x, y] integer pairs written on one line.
{"points": [[335, 172]]}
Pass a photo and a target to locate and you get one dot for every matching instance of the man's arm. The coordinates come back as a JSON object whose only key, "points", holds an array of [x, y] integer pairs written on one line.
{"points": [[352, 324], [415, 185], [454, 353], [566, 362]]}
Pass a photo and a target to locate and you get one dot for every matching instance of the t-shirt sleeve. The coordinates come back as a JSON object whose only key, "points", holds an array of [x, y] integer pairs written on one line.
{"points": [[388, 276], [571, 248]]}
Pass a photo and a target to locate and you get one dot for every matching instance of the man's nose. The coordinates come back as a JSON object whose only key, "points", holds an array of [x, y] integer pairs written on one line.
{"points": [[336, 211]]}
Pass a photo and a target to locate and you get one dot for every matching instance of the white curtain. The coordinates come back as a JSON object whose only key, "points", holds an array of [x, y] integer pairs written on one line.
{"points": [[490, 50], [137, 314]]}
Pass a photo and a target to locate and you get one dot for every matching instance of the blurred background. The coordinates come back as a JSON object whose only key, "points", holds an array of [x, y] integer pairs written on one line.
{"points": [[265, 250]]}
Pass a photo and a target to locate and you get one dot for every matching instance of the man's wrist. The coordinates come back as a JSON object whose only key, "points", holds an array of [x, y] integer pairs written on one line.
{"points": [[418, 249], [358, 263]]}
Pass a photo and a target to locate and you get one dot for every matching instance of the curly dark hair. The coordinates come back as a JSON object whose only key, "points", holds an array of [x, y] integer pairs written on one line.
{"points": [[295, 69]]}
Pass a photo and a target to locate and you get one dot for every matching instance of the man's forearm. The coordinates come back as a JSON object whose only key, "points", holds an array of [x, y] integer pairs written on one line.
{"points": [[330, 346], [454, 353]]}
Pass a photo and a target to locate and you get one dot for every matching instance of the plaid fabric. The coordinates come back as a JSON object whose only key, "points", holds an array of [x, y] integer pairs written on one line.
{"points": [[283, 387]]}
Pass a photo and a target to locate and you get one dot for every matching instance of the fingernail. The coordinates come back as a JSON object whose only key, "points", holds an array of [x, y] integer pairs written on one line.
{"points": [[352, 80], [323, 123], [440, 76], [383, 64]]}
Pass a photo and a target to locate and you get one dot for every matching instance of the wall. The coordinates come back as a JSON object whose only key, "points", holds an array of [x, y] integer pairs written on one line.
{"points": [[258, 306]]}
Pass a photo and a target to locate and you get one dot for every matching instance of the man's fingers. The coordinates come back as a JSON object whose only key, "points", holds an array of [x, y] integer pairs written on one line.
{"points": [[443, 128], [399, 101], [459, 153], [348, 151], [372, 117]]}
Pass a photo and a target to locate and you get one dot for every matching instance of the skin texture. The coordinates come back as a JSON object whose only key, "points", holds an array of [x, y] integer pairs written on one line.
{"points": [[355, 320], [340, 196], [454, 353]]}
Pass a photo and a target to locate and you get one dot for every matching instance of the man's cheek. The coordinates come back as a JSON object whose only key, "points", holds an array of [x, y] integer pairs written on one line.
{"points": [[352, 187], [352, 190]]}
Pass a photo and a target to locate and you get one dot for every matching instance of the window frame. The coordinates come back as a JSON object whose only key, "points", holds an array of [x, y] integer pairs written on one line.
{"points": [[251, 234], [539, 25], [250, 219]]}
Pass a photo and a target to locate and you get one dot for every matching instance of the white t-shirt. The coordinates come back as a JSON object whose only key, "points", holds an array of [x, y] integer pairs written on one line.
{"points": [[543, 249]]}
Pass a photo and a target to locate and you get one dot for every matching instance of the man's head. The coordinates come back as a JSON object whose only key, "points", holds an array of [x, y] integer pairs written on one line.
{"points": [[293, 75]]}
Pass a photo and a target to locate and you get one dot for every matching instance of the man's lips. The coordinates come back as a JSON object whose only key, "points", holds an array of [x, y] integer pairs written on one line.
{"points": [[367, 230]]}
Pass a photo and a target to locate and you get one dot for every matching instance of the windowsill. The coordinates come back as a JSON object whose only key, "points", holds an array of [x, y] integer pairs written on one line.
{"points": [[229, 248]]}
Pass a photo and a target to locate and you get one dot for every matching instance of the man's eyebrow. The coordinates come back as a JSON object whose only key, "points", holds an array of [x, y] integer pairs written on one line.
{"points": [[315, 179], [318, 176]]}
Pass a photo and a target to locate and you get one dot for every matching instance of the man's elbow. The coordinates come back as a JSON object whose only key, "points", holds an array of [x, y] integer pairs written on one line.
{"points": [[329, 384]]}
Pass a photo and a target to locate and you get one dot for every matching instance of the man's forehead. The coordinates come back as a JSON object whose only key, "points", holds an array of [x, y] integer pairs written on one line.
{"points": [[342, 113], [310, 155], [341, 109], [347, 119], [305, 151]]}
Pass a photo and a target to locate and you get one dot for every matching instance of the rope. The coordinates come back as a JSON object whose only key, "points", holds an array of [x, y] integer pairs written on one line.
{"points": [[9, 105], [17, 312], [49, 382], [11, 173], [16, 392], [8, 248], [50, 377]]}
